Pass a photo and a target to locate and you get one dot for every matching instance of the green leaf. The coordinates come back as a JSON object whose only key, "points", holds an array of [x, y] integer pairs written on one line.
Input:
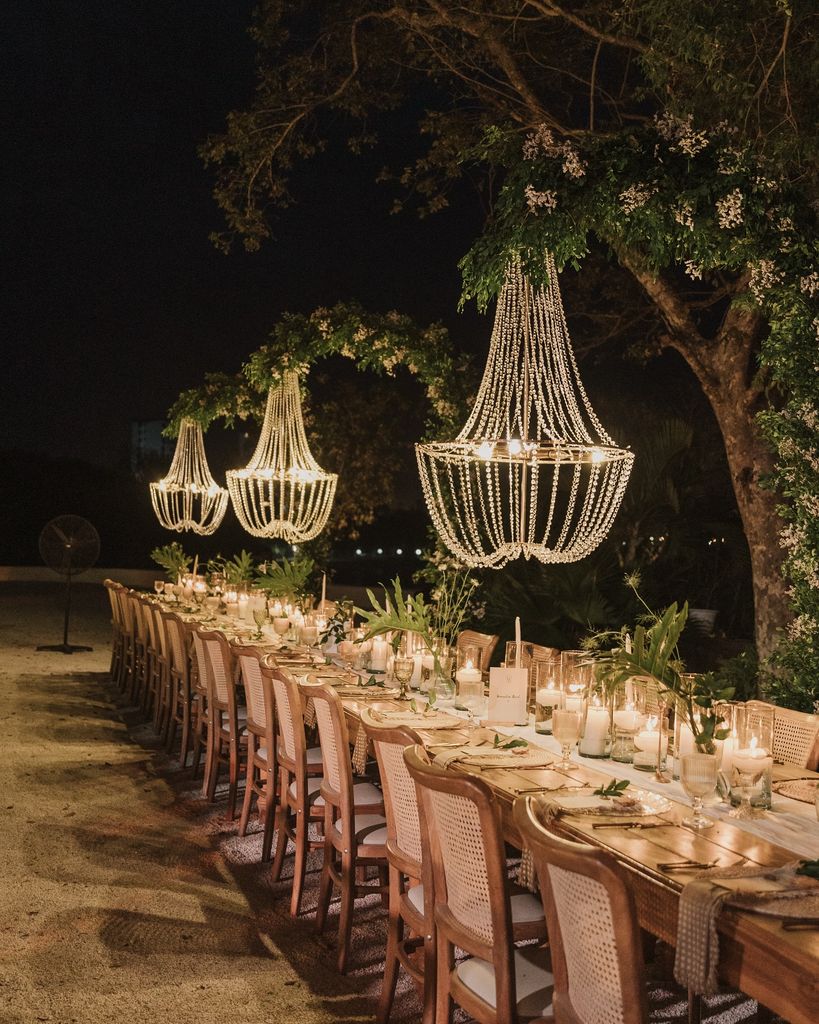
{"points": [[614, 788]]}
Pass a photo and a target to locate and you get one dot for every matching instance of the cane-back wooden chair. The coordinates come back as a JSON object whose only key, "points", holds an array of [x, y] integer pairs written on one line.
{"points": [[597, 953], [153, 672], [178, 709], [117, 642], [796, 738], [355, 830], [463, 842], [260, 777], [126, 618], [300, 777], [228, 736], [408, 898], [140, 674], [162, 663], [200, 706]]}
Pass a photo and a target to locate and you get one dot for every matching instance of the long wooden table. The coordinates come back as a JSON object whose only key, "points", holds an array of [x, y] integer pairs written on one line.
{"points": [[777, 967]]}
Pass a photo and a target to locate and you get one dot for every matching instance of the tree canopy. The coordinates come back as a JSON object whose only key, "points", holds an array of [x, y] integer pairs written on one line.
{"points": [[682, 137]]}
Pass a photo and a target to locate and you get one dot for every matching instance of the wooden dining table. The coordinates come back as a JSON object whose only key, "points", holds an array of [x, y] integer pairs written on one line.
{"points": [[778, 967]]}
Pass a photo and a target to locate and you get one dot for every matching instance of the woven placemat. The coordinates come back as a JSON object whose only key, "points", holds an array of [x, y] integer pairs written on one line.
{"points": [[797, 789]]}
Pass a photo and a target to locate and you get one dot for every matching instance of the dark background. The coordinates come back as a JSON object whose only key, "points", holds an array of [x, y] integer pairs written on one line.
{"points": [[116, 299]]}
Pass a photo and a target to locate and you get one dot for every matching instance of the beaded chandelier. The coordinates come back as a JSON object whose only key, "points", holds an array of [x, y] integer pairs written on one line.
{"points": [[188, 498], [283, 492], [533, 472]]}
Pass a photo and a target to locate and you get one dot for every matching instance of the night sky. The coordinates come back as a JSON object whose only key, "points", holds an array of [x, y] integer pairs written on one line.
{"points": [[117, 299]]}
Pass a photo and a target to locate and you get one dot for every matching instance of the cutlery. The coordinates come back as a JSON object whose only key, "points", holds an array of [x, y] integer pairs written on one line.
{"points": [[632, 824], [685, 865], [798, 924]]}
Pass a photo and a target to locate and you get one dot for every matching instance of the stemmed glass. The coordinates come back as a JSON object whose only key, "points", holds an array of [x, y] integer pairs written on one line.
{"points": [[159, 587], [259, 616], [698, 775], [566, 727], [348, 653], [402, 670]]}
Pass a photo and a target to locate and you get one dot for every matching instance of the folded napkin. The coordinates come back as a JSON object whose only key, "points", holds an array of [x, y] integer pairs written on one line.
{"points": [[697, 957], [418, 720], [360, 752], [487, 756]]}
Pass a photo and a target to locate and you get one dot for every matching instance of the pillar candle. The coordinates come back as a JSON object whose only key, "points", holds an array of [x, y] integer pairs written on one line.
{"points": [[378, 658], [596, 733]]}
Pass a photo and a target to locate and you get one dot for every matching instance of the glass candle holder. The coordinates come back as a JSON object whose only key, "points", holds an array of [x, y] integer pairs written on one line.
{"points": [[751, 759], [596, 738], [469, 677], [650, 746], [548, 693], [628, 718]]}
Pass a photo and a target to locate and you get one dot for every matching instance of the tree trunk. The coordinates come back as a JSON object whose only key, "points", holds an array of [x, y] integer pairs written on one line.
{"points": [[724, 366]]}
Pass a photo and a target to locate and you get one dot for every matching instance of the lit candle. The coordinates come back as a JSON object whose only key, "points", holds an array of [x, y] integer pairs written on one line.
{"points": [[752, 760], [427, 669], [596, 733], [468, 673], [628, 718], [687, 744], [415, 679], [232, 608], [276, 610], [517, 641], [574, 698], [309, 635], [728, 748], [244, 607], [548, 696], [378, 658], [323, 589], [648, 742]]}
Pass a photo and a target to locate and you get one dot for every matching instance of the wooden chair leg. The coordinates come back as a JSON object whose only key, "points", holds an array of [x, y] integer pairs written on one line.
{"points": [[281, 842], [325, 887], [430, 978], [212, 764], [443, 1001], [233, 778], [300, 861], [694, 1008], [345, 920], [395, 933], [268, 820], [186, 732], [248, 800]]}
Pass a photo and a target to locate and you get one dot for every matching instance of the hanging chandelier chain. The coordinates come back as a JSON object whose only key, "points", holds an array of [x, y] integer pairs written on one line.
{"points": [[532, 472], [188, 497]]}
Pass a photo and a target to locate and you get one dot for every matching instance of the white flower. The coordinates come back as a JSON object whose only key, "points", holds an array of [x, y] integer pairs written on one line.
{"points": [[684, 214], [542, 141], [764, 276], [803, 627], [679, 133], [693, 271], [539, 200], [572, 164], [809, 285], [635, 196], [728, 160], [729, 209]]}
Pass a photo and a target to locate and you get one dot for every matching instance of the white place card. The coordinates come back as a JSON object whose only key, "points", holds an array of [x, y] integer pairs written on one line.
{"points": [[508, 696]]}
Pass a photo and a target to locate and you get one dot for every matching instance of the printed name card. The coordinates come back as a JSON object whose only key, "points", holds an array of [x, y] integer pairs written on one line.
{"points": [[508, 696]]}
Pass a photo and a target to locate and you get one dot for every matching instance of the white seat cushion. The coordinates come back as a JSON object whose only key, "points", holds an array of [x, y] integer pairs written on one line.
{"points": [[534, 981], [415, 895], [526, 908], [313, 785], [370, 829]]}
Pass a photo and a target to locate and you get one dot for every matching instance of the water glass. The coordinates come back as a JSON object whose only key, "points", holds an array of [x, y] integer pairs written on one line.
{"points": [[566, 727], [698, 774]]}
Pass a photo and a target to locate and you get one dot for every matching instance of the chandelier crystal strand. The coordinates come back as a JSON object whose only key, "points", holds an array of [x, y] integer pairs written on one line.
{"points": [[283, 492], [533, 472], [188, 498]]}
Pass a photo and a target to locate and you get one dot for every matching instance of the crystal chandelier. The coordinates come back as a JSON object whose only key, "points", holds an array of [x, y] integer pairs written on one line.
{"points": [[533, 472], [188, 498], [283, 492]]}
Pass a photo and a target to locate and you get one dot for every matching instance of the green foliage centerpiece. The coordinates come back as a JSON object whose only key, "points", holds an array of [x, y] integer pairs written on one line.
{"points": [[651, 652]]}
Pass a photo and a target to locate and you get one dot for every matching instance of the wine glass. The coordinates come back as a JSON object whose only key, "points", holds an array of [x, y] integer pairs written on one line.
{"points": [[402, 670], [566, 726], [259, 616], [348, 652], [159, 586], [698, 775]]}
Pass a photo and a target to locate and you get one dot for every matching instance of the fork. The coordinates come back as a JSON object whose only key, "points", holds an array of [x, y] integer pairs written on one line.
{"points": [[685, 865]]}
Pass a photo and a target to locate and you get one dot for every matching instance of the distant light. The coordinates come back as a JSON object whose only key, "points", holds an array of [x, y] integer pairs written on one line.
{"points": [[379, 551], [358, 551], [418, 552], [399, 551]]}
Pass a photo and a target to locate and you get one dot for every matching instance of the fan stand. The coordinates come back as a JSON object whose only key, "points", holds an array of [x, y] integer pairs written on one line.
{"points": [[65, 647]]}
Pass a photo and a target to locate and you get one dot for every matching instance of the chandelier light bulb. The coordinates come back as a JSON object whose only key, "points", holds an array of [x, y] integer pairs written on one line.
{"points": [[188, 498], [283, 492], [533, 472]]}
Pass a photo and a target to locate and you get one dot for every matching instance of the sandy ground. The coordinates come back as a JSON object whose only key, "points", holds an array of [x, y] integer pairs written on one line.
{"points": [[124, 896]]}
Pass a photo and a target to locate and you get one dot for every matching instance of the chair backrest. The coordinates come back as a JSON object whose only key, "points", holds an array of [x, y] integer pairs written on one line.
{"points": [[292, 747], [337, 787], [597, 953], [137, 622], [400, 792], [220, 667], [796, 738], [258, 689], [163, 643], [126, 615], [151, 637], [176, 650], [203, 673], [485, 642], [463, 842], [110, 589]]}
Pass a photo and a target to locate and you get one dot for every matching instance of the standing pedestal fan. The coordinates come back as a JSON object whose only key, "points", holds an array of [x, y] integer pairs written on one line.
{"points": [[69, 545]]}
